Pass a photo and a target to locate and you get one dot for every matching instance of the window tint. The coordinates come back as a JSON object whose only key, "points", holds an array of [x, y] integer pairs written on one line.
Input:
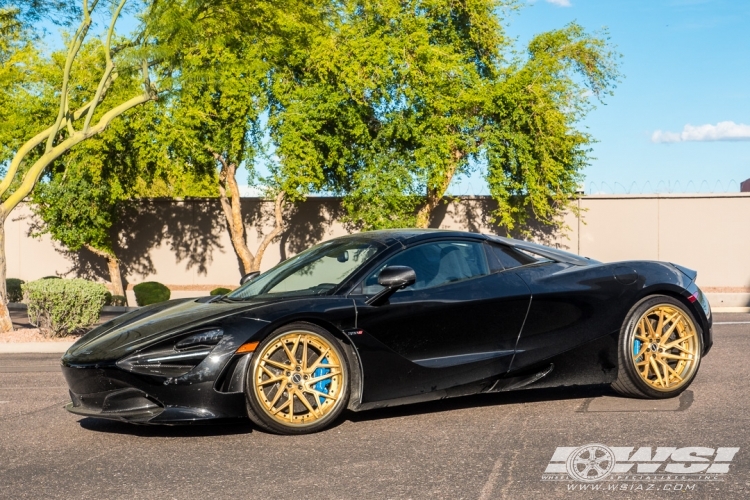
{"points": [[436, 264], [502, 257], [316, 271], [324, 273]]}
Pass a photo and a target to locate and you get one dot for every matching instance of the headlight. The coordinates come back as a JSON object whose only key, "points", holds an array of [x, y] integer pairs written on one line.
{"points": [[210, 337], [165, 360]]}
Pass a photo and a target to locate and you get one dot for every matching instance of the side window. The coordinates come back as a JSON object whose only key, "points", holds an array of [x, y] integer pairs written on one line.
{"points": [[436, 264], [502, 257]]}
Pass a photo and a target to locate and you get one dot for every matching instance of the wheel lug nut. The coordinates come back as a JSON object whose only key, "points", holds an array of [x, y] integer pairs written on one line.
{"points": [[288, 373], [288, 385], [305, 377], [297, 368], [300, 387]]}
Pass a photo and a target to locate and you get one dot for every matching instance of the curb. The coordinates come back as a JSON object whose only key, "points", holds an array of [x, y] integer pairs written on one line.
{"points": [[730, 309], [34, 347]]}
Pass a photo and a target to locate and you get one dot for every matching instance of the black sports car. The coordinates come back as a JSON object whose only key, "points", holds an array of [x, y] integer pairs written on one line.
{"points": [[391, 317]]}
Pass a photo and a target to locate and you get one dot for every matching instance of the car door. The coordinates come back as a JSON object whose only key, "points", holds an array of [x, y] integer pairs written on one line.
{"points": [[571, 306], [456, 325]]}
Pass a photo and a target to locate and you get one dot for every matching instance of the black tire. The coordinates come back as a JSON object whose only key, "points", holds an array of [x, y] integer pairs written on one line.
{"points": [[265, 399], [647, 384]]}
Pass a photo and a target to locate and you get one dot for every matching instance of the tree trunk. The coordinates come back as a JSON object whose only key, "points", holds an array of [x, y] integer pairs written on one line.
{"points": [[6, 324], [115, 277], [232, 208], [278, 215], [435, 194]]}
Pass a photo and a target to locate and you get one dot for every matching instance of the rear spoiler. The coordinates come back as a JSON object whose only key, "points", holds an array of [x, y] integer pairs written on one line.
{"points": [[687, 272]]}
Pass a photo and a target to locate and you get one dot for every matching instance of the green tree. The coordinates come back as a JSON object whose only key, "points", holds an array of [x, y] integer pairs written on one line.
{"points": [[402, 97], [82, 195], [225, 55], [79, 212], [77, 118]]}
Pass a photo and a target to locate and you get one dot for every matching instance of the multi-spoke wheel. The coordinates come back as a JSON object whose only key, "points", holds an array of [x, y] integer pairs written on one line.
{"points": [[660, 349], [297, 381]]}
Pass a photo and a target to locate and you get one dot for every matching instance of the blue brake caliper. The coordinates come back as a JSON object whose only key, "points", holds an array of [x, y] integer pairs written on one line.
{"points": [[636, 347], [323, 385]]}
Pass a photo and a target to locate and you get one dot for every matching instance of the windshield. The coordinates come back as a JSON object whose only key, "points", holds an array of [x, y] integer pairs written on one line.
{"points": [[315, 271]]}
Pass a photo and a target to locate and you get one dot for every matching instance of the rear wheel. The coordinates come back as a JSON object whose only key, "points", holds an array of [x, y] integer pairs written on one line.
{"points": [[660, 349], [298, 380]]}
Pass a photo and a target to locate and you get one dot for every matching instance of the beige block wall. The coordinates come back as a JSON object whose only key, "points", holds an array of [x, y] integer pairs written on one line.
{"points": [[708, 233], [185, 245]]}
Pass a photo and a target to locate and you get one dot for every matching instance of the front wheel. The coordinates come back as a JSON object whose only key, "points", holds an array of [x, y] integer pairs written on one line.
{"points": [[298, 380], [660, 349]]}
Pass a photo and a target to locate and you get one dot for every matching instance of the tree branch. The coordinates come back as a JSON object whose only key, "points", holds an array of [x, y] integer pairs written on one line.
{"points": [[108, 67], [35, 141], [36, 170], [100, 253], [75, 46]]}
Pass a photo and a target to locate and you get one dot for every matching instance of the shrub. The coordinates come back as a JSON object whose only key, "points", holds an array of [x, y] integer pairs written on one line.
{"points": [[13, 286], [220, 291], [150, 292], [108, 299], [60, 307], [119, 300]]}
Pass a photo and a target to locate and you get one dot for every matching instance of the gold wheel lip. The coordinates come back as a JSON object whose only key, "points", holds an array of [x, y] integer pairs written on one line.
{"points": [[339, 380], [688, 368]]}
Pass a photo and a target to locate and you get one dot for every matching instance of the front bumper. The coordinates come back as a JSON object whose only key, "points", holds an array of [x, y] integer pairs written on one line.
{"points": [[112, 393], [126, 405]]}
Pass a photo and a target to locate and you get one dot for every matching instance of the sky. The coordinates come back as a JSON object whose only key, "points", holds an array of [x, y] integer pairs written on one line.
{"points": [[679, 120]]}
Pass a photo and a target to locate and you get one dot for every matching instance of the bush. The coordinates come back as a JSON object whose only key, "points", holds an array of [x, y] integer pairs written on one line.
{"points": [[150, 292], [119, 300], [220, 291], [60, 307], [13, 286]]}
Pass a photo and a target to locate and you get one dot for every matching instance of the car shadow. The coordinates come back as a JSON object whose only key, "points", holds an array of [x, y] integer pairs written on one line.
{"points": [[244, 426], [483, 400], [223, 428]]}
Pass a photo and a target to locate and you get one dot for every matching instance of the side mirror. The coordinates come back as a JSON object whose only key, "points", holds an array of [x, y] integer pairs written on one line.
{"points": [[397, 277], [249, 277], [393, 278]]}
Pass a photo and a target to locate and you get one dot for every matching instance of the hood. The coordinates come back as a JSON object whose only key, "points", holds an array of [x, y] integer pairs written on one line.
{"points": [[137, 329]]}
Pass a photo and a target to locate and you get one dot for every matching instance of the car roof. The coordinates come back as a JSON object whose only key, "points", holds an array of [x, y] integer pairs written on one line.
{"points": [[410, 236]]}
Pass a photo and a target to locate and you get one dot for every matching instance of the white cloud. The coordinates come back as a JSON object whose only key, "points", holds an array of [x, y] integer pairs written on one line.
{"points": [[722, 131], [560, 3]]}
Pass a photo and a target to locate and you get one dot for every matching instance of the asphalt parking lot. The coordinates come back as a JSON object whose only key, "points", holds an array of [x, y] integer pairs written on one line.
{"points": [[489, 446]]}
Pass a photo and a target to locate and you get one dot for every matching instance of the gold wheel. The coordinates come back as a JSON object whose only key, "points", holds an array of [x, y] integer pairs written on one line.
{"points": [[664, 347], [298, 378]]}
